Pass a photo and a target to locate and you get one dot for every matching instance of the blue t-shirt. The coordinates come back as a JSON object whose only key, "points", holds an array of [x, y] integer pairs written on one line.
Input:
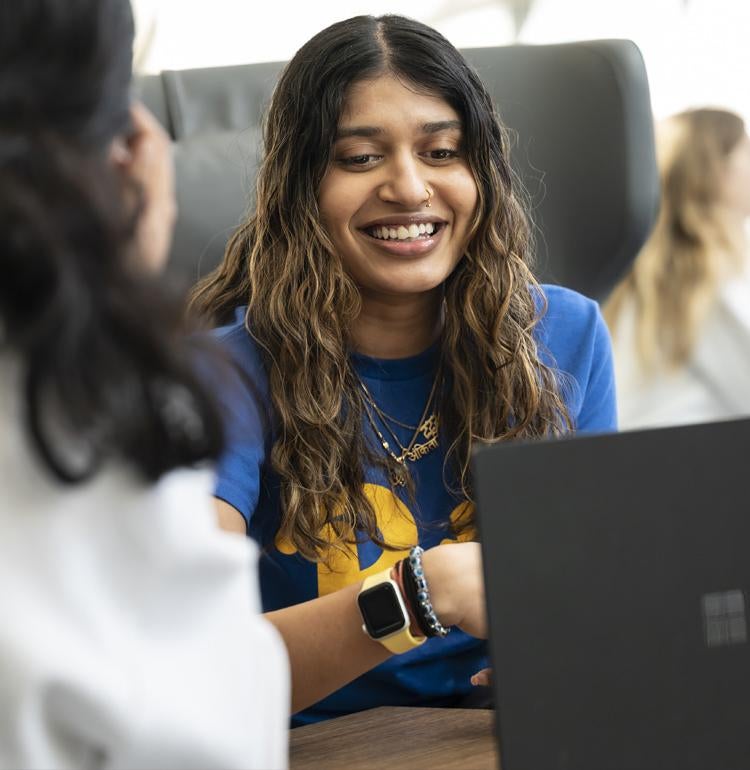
{"points": [[573, 339]]}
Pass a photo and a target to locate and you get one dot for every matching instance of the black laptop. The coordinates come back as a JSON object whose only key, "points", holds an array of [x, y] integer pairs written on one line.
{"points": [[618, 577]]}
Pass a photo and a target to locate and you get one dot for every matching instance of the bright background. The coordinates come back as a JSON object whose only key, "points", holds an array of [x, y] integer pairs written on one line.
{"points": [[696, 51]]}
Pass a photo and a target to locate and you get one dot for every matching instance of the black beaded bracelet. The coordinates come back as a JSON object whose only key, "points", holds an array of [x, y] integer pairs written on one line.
{"points": [[410, 594], [418, 593]]}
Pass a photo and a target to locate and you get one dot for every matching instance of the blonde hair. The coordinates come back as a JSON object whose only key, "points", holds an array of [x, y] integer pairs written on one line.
{"points": [[674, 281]]}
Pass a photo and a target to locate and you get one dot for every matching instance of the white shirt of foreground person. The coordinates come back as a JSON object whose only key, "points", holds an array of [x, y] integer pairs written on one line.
{"points": [[130, 634], [714, 385]]}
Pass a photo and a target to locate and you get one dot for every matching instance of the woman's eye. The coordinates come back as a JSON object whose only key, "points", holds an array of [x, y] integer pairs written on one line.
{"points": [[359, 160], [442, 154]]}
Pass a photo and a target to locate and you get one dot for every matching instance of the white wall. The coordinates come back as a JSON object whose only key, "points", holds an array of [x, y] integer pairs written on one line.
{"points": [[696, 51]]}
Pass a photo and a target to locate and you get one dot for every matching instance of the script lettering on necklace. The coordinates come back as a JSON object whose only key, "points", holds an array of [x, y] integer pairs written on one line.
{"points": [[419, 450], [429, 428]]}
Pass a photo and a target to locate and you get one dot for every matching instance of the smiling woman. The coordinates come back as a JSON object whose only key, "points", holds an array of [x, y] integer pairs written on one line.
{"points": [[380, 308]]}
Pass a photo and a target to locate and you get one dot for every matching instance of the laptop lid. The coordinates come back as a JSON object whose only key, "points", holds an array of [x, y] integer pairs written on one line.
{"points": [[617, 573]]}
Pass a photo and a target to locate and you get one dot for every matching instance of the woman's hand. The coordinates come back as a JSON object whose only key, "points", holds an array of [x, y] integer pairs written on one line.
{"points": [[482, 678], [456, 583], [145, 157]]}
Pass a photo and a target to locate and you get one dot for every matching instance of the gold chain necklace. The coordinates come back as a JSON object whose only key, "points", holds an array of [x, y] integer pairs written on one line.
{"points": [[428, 427], [386, 418]]}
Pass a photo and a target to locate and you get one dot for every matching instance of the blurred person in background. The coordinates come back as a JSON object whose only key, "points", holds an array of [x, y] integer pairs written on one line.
{"points": [[680, 319], [130, 633]]}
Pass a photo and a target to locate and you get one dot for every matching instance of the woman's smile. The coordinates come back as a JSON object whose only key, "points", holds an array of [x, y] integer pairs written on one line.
{"points": [[405, 235]]}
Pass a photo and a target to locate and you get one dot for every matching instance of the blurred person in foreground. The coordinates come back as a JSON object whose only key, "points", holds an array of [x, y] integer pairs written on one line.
{"points": [[130, 632], [680, 319]]}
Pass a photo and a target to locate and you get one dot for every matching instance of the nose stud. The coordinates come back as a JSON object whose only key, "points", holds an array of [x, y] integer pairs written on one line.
{"points": [[428, 200]]}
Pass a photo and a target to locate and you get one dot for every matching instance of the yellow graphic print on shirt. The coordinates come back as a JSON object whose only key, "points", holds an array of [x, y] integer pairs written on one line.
{"points": [[398, 528], [461, 515]]}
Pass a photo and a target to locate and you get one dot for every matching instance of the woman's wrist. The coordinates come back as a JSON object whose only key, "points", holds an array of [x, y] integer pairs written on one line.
{"points": [[397, 574], [439, 570], [418, 592]]}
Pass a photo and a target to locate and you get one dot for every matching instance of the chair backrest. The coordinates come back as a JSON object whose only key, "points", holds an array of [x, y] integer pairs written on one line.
{"points": [[584, 147]]}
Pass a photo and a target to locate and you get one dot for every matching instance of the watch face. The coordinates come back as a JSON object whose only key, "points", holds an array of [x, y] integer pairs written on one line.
{"points": [[381, 610]]}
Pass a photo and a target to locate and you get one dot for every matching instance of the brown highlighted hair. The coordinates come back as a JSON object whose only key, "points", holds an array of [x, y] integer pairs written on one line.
{"points": [[301, 303]]}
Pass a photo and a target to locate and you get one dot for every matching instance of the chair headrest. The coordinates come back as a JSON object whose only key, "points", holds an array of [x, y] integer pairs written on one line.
{"points": [[584, 148]]}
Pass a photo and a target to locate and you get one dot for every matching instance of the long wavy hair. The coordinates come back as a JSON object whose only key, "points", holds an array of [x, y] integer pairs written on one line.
{"points": [[694, 246], [301, 303], [104, 367]]}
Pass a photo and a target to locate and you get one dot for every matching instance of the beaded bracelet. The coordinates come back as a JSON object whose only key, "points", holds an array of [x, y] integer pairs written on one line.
{"points": [[426, 617], [410, 593]]}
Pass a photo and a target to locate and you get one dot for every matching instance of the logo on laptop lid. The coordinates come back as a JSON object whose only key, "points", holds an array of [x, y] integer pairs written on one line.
{"points": [[724, 621]]}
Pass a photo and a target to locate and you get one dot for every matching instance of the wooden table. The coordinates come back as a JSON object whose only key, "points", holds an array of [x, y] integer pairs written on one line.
{"points": [[394, 738]]}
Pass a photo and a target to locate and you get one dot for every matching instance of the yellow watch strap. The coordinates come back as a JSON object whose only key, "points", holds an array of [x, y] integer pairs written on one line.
{"points": [[401, 641]]}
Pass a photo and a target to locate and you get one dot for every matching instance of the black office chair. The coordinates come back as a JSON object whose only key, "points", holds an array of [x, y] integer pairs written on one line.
{"points": [[584, 147]]}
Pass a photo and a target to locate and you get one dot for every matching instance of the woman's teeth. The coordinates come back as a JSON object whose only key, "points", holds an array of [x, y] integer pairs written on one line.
{"points": [[401, 233]]}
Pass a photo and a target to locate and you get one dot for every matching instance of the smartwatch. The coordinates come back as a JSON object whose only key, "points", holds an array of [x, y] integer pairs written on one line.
{"points": [[386, 619]]}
